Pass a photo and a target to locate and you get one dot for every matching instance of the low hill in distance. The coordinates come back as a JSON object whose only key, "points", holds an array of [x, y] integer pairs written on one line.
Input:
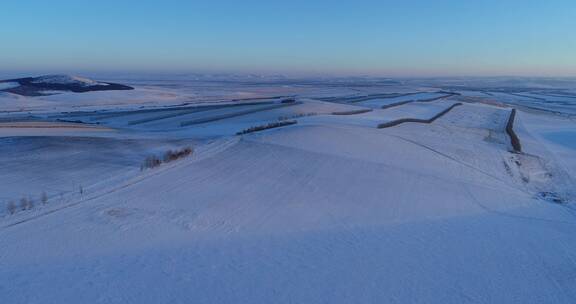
{"points": [[48, 84]]}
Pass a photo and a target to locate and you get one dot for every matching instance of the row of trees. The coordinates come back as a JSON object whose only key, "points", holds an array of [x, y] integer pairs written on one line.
{"points": [[28, 203], [25, 203], [291, 117], [153, 161], [267, 126]]}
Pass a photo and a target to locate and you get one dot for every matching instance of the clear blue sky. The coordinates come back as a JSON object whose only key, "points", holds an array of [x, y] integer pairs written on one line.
{"points": [[386, 37]]}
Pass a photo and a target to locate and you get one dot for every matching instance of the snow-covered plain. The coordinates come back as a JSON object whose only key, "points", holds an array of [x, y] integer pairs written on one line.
{"points": [[328, 210], [386, 102]]}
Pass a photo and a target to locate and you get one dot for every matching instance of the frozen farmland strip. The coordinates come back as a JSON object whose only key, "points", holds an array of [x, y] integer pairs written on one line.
{"points": [[235, 113], [174, 109], [385, 102], [420, 120], [419, 111], [174, 122], [354, 99], [169, 115]]}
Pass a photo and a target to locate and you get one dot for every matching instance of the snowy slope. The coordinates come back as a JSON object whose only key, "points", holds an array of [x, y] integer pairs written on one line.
{"points": [[331, 210], [328, 210]]}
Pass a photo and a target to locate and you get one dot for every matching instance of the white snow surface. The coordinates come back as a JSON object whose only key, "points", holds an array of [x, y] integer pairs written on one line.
{"points": [[330, 210]]}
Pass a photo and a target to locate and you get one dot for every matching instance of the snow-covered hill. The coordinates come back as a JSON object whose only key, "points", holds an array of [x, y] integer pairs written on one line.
{"points": [[66, 80], [46, 85]]}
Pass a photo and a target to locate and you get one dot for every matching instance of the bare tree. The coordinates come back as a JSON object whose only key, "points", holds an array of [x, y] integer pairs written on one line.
{"points": [[11, 206], [152, 161], [23, 203], [30, 203], [44, 198]]}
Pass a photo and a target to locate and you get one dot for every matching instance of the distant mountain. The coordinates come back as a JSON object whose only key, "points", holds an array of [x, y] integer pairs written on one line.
{"points": [[46, 85]]}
